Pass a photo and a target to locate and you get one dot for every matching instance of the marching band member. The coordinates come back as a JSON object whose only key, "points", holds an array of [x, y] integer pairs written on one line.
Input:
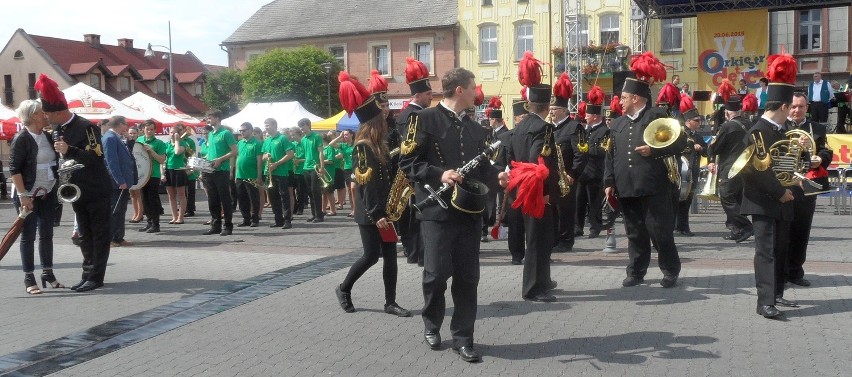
{"points": [[248, 175], [221, 148], [278, 153], [371, 164], [176, 177], [156, 149], [634, 172], [570, 138], [695, 149], [590, 182]]}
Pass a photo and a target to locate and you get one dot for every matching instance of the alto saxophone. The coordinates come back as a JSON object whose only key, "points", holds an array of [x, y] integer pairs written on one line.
{"points": [[399, 196], [564, 186]]}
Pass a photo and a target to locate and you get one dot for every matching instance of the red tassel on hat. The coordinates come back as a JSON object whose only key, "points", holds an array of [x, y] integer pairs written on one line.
{"points": [[49, 90], [352, 93], [524, 93], [726, 90], [648, 68], [377, 82], [529, 70], [749, 103], [415, 70], [596, 96], [782, 68], [686, 103], [615, 105], [529, 178], [669, 95], [581, 110], [480, 96], [563, 87]]}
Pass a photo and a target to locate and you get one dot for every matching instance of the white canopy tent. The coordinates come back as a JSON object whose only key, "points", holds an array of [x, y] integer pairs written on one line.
{"points": [[94, 105], [166, 114], [287, 114]]}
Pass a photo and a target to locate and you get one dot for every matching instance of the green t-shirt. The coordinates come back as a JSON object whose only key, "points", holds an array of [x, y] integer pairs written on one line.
{"points": [[310, 142], [159, 147], [328, 155], [247, 153], [219, 144], [346, 149], [298, 154], [177, 161], [277, 147]]}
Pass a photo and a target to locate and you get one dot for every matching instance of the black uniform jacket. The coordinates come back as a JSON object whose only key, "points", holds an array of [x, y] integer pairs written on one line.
{"points": [[729, 144], [84, 146], [404, 118], [23, 156], [596, 156], [818, 133], [372, 196], [631, 174], [567, 135], [528, 138], [501, 157], [761, 190], [692, 156], [445, 142]]}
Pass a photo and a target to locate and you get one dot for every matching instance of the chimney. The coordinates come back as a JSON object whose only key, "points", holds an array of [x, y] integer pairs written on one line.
{"points": [[126, 43], [93, 39]]}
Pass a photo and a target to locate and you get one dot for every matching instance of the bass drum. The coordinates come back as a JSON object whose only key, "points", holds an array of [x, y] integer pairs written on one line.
{"points": [[143, 165], [685, 179]]}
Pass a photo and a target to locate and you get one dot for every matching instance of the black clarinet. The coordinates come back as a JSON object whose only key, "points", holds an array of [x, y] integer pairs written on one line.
{"points": [[435, 195]]}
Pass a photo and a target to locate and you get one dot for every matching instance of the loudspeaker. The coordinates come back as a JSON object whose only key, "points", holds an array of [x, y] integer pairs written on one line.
{"points": [[618, 81]]}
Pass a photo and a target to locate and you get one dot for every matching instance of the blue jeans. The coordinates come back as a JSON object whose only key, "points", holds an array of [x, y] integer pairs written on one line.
{"points": [[41, 219]]}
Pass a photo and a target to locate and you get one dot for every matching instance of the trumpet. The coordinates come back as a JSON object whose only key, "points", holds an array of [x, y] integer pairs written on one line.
{"points": [[254, 182], [268, 174], [324, 176]]}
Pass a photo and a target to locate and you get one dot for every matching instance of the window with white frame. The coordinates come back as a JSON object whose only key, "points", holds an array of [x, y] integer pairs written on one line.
{"points": [[582, 30], [523, 39], [609, 28], [672, 31], [421, 49], [339, 53], [810, 30], [380, 58], [488, 43]]}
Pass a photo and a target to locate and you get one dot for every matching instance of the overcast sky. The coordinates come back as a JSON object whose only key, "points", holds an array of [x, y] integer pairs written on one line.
{"points": [[197, 25]]}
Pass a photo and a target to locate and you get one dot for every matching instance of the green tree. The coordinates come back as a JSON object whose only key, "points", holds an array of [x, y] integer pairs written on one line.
{"points": [[223, 91], [293, 75]]}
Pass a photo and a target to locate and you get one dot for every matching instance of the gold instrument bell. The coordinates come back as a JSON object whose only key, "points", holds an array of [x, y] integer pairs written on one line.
{"points": [[661, 133]]}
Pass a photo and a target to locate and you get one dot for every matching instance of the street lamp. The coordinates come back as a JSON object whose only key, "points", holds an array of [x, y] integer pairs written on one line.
{"points": [[327, 67], [149, 52], [621, 53]]}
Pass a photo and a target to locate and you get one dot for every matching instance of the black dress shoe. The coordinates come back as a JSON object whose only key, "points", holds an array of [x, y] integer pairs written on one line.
{"points": [[244, 223], [397, 310], [731, 237], [318, 220], [541, 297], [89, 286], [594, 233], [276, 225], [746, 234], [631, 281], [785, 302], [517, 262], [226, 232], [552, 285], [768, 311], [287, 225], [469, 354], [578, 232], [800, 282], [668, 281], [189, 214], [79, 283], [254, 224], [212, 231], [345, 300], [433, 339], [686, 233], [153, 229], [310, 220]]}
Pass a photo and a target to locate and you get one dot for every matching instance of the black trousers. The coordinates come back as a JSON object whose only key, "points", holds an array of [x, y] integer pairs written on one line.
{"points": [[93, 218], [731, 198], [314, 189], [374, 248], [451, 250], [682, 212], [489, 216], [218, 184], [819, 112], [517, 236], [249, 199], [151, 201], [800, 234], [590, 197], [564, 218], [279, 199], [646, 219], [301, 192], [771, 237], [409, 234], [540, 240], [118, 212], [842, 114], [190, 195]]}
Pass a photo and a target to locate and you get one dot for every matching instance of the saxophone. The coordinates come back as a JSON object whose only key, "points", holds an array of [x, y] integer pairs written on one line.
{"points": [[400, 193], [564, 186]]}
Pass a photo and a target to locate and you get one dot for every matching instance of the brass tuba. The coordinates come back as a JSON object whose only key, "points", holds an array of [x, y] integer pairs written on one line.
{"points": [[661, 133]]}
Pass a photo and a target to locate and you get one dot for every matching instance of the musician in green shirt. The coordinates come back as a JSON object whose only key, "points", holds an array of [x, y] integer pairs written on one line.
{"points": [[248, 175], [156, 149], [278, 154], [175, 176], [221, 147], [298, 179], [313, 169], [346, 148]]}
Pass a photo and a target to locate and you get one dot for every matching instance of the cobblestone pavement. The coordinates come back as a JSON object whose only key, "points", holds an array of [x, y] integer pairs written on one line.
{"points": [[261, 302]]}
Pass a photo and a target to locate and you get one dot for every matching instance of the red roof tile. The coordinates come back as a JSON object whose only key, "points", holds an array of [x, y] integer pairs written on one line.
{"points": [[81, 68], [188, 77]]}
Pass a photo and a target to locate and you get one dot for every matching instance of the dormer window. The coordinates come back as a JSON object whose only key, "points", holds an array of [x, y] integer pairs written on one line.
{"points": [[95, 81], [124, 84]]}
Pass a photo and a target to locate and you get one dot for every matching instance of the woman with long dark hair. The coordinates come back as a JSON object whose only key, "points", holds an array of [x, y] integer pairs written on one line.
{"points": [[371, 166]]}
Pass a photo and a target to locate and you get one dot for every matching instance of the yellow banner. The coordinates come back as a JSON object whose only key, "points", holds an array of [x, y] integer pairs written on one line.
{"points": [[842, 147], [733, 46]]}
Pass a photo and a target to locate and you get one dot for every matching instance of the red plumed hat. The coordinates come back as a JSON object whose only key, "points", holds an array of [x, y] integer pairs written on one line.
{"points": [[596, 98], [648, 68], [726, 90], [581, 110], [687, 107], [417, 76], [529, 178], [52, 99], [377, 82], [494, 110], [615, 109], [563, 90], [529, 70], [480, 96], [354, 97], [750, 103], [669, 95], [781, 73]]}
